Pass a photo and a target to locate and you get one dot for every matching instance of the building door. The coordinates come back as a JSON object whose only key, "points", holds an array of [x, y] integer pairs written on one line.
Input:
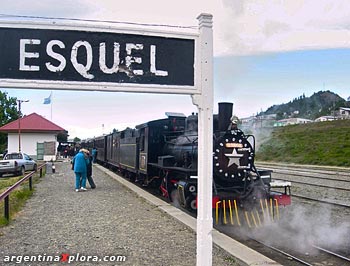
{"points": [[40, 151]]}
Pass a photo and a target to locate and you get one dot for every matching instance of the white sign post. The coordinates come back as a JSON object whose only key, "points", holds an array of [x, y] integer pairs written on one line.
{"points": [[204, 102], [65, 56]]}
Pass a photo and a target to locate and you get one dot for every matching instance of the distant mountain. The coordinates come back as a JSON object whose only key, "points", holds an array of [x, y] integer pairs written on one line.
{"points": [[319, 104]]}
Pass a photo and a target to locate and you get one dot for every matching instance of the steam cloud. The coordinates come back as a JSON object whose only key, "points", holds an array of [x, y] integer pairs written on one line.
{"points": [[301, 227]]}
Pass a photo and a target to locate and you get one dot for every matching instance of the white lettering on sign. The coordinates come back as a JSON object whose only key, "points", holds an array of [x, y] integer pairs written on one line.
{"points": [[24, 55], [82, 70], [56, 56], [153, 63], [131, 60], [116, 60]]}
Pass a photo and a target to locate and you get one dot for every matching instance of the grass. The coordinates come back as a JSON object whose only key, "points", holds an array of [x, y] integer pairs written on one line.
{"points": [[17, 198], [231, 261], [323, 143], [6, 182]]}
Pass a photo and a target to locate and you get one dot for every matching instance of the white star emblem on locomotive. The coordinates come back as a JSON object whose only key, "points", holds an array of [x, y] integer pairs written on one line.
{"points": [[233, 158]]}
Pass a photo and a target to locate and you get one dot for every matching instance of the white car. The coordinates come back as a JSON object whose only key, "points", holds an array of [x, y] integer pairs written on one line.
{"points": [[17, 163]]}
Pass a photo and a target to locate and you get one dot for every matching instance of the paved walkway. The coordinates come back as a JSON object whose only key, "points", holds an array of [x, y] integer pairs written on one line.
{"points": [[86, 228]]}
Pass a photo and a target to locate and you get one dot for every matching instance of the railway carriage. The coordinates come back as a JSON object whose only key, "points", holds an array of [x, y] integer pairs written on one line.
{"points": [[128, 146], [100, 144]]}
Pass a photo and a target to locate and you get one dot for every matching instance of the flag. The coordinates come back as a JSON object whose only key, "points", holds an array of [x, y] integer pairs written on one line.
{"points": [[48, 99]]}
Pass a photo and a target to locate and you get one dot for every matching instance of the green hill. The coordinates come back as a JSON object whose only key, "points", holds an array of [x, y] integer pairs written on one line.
{"points": [[319, 104], [323, 143]]}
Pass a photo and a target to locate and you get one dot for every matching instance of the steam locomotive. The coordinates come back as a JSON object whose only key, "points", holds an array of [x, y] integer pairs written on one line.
{"points": [[163, 154]]}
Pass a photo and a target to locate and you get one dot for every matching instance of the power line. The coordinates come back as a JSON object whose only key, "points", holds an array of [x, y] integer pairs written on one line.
{"points": [[99, 21]]}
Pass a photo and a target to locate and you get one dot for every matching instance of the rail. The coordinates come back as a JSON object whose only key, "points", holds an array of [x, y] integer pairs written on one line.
{"points": [[332, 253], [6, 194]]}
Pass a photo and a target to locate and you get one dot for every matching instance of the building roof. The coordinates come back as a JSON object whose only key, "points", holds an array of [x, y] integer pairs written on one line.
{"points": [[325, 117], [31, 123]]}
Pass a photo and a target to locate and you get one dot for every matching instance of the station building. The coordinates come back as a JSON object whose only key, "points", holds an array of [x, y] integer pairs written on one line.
{"points": [[35, 135]]}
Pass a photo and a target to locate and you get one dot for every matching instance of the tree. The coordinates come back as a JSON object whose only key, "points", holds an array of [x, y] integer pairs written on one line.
{"points": [[8, 113], [76, 139], [62, 136]]}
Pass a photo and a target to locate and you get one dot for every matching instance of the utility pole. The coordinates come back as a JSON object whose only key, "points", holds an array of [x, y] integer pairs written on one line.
{"points": [[19, 122]]}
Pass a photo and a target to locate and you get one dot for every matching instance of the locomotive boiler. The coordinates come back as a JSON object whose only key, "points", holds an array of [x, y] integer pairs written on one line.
{"points": [[163, 154]]}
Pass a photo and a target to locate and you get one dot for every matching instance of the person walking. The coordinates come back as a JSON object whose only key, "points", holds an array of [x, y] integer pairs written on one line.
{"points": [[94, 154], [89, 172], [80, 163]]}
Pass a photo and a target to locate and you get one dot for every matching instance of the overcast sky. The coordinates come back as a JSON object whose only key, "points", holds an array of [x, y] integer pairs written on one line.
{"points": [[265, 52]]}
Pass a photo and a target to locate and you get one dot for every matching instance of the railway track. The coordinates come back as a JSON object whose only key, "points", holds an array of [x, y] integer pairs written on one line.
{"points": [[287, 257], [310, 171], [320, 176], [328, 258], [336, 196], [323, 184], [322, 201], [315, 184], [319, 185], [342, 257], [311, 255]]}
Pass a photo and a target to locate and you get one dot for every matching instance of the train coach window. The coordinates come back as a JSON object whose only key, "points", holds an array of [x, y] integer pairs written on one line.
{"points": [[142, 143]]}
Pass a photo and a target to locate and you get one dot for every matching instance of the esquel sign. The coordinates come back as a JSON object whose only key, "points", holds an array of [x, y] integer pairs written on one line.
{"points": [[67, 55]]}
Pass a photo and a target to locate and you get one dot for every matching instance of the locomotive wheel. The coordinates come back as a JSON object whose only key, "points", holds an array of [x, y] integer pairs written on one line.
{"points": [[191, 203]]}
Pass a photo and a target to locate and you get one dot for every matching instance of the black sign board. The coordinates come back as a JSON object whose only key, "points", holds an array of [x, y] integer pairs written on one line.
{"points": [[83, 56]]}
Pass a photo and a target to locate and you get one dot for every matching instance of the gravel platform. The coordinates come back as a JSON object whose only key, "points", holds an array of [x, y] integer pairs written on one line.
{"points": [[86, 228]]}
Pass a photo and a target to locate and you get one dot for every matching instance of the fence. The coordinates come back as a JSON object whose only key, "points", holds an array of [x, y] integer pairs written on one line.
{"points": [[6, 194]]}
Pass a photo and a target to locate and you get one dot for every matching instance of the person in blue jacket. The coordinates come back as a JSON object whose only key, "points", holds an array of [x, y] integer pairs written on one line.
{"points": [[94, 154], [80, 163]]}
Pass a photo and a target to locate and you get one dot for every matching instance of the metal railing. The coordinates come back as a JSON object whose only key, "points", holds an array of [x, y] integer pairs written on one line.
{"points": [[6, 194]]}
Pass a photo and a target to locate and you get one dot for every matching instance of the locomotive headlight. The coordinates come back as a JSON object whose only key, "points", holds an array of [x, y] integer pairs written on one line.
{"points": [[233, 145]]}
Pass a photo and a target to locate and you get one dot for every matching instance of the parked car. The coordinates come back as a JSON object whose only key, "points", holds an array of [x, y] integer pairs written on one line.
{"points": [[17, 163]]}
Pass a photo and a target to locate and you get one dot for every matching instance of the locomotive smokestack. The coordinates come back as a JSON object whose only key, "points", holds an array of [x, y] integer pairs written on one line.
{"points": [[225, 114]]}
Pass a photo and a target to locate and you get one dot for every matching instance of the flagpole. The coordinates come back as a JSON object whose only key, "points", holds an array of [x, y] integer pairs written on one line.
{"points": [[51, 106]]}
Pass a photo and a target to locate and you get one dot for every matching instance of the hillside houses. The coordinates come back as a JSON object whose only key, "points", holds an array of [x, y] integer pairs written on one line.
{"points": [[325, 118], [344, 112], [270, 120], [291, 121], [259, 121]]}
